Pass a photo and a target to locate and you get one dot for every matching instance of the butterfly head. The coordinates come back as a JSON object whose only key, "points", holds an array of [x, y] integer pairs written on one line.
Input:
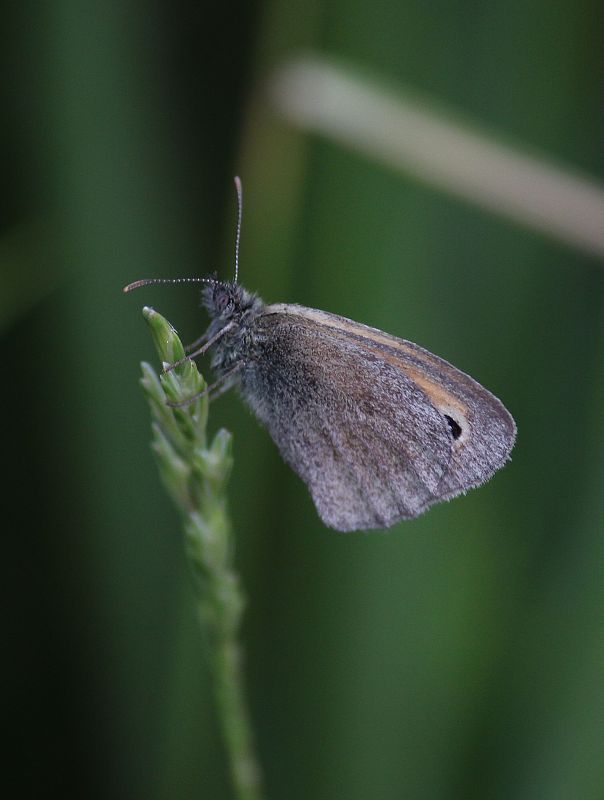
{"points": [[228, 301]]}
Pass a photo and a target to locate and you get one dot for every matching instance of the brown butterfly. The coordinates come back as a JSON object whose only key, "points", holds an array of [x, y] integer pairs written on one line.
{"points": [[378, 428]]}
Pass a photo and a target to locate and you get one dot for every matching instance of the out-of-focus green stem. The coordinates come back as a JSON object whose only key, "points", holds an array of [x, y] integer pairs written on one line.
{"points": [[195, 475]]}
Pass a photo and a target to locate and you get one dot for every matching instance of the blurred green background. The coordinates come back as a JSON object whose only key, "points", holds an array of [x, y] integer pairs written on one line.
{"points": [[460, 655]]}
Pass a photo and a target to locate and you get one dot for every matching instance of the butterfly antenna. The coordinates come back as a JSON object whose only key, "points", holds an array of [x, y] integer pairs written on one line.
{"points": [[239, 216], [149, 281]]}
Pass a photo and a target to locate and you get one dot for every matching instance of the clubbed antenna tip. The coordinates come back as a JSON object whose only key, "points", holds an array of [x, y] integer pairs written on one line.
{"points": [[150, 281]]}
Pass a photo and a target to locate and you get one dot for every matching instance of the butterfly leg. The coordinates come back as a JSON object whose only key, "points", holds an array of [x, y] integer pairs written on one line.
{"points": [[196, 343], [223, 384], [201, 350]]}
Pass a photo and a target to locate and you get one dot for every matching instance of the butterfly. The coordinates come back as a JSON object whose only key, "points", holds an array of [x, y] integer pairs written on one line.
{"points": [[378, 428]]}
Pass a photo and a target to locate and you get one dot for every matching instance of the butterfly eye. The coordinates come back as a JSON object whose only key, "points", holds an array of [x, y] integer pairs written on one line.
{"points": [[223, 302]]}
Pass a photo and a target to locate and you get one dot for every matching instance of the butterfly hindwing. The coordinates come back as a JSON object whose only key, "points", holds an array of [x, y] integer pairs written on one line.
{"points": [[355, 428]]}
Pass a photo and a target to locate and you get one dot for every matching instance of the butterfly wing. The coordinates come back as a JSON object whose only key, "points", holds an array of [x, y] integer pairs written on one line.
{"points": [[368, 421]]}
